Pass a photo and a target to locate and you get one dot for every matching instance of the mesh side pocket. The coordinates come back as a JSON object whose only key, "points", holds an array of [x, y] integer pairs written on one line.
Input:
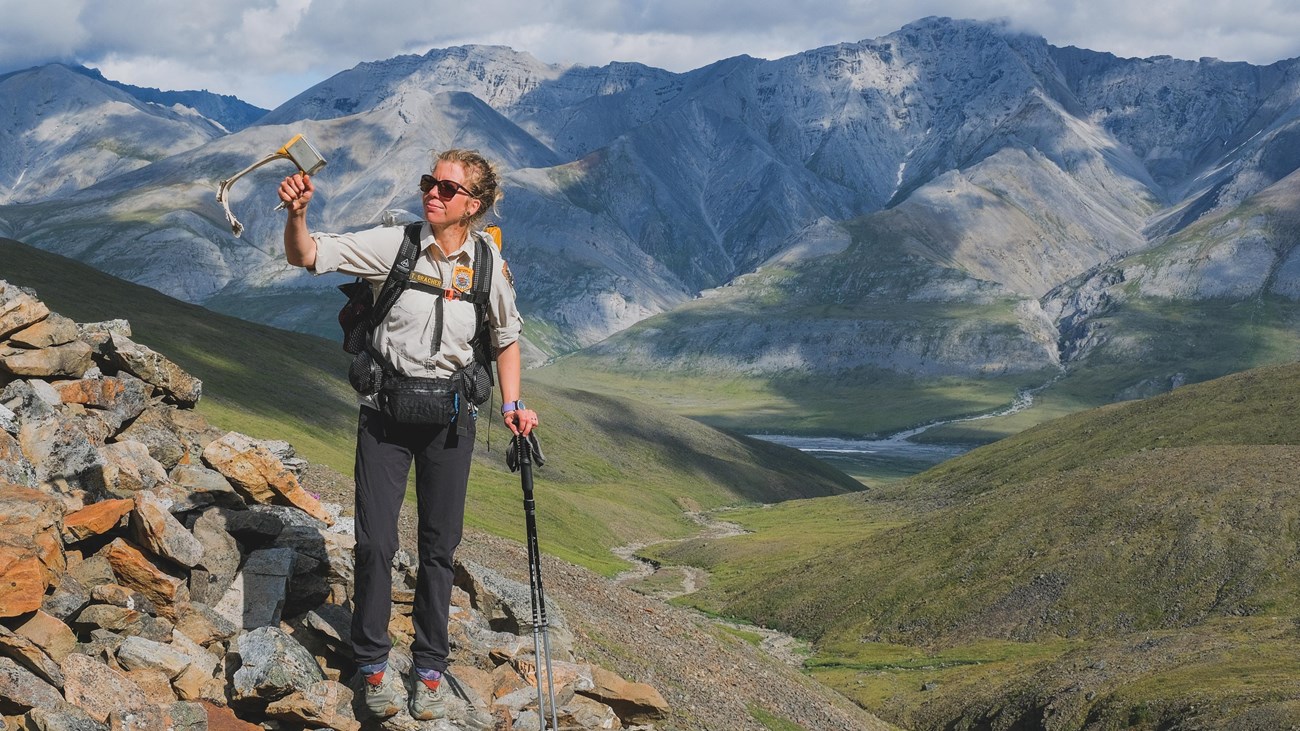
{"points": [[365, 375], [354, 341], [477, 383], [354, 317]]}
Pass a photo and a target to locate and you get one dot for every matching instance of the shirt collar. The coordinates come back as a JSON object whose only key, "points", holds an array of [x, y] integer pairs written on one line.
{"points": [[466, 249]]}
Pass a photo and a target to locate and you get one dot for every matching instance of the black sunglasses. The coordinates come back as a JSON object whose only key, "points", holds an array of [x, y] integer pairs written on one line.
{"points": [[447, 189]]}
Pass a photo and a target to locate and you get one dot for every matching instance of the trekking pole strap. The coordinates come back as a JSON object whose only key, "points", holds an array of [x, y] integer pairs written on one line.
{"points": [[524, 450]]}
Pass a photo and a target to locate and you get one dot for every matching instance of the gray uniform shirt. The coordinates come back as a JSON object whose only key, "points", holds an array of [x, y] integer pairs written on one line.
{"points": [[406, 335]]}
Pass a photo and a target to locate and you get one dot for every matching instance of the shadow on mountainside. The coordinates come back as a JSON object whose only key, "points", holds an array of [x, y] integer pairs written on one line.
{"points": [[755, 470]]}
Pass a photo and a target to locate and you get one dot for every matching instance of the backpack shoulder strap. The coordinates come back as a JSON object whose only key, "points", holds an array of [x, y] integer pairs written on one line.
{"points": [[482, 287], [481, 291], [398, 275]]}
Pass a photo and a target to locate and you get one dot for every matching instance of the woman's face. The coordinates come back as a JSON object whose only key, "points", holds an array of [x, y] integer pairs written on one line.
{"points": [[440, 209]]}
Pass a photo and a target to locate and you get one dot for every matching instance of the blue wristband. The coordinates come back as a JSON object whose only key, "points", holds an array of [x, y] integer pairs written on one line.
{"points": [[509, 406]]}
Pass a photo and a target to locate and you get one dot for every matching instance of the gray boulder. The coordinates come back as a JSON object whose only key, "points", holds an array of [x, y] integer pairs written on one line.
{"points": [[272, 666]]}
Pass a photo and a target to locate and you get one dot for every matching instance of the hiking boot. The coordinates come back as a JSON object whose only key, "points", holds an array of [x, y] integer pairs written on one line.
{"points": [[380, 695], [427, 703]]}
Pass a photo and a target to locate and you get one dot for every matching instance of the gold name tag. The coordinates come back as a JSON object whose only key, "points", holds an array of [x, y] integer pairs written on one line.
{"points": [[426, 280]]}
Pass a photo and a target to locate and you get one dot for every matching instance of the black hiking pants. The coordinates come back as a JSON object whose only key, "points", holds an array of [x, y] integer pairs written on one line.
{"points": [[383, 461]]}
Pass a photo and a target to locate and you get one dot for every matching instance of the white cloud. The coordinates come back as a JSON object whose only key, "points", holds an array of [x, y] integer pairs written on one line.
{"points": [[251, 85], [267, 50], [1258, 31], [37, 32]]}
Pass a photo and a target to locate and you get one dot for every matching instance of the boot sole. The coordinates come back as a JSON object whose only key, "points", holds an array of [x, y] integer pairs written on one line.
{"points": [[429, 716], [388, 712]]}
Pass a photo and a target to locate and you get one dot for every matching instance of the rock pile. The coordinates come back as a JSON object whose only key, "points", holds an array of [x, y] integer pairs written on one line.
{"points": [[159, 573]]}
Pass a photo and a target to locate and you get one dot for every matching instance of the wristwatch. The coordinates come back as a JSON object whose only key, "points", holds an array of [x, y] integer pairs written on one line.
{"points": [[509, 406]]}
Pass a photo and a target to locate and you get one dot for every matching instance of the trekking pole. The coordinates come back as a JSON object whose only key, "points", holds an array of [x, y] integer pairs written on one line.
{"points": [[524, 451]]}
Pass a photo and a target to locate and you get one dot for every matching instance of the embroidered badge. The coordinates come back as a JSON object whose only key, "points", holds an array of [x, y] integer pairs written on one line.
{"points": [[505, 272], [462, 278]]}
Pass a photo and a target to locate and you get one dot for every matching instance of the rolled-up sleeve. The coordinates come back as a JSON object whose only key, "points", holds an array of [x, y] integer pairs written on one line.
{"points": [[368, 253], [503, 314]]}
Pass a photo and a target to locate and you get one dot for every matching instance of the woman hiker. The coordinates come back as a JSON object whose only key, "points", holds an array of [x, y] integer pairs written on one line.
{"points": [[462, 188]]}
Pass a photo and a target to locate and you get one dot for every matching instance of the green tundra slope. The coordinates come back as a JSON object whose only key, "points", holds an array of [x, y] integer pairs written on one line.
{"points": [[1133, 565]]}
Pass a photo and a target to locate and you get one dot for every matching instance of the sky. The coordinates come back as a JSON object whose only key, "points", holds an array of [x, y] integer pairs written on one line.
{"points": [[267, 51]]}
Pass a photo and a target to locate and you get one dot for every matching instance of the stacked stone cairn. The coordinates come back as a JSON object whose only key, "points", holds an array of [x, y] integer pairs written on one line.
{"points": [[157, 573]]}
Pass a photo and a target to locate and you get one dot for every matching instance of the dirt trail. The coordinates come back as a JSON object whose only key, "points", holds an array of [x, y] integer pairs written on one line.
{"points": [[669, 582]]}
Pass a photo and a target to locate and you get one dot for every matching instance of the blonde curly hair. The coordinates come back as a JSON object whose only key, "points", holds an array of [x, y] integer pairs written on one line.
{"points": [[481, 176]]}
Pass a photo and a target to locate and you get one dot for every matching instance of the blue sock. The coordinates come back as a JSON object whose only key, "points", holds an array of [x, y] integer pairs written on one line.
{"points": [[431, 678], [371, 671]]}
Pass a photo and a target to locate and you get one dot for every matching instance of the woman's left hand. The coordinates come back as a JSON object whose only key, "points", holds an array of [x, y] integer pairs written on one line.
{"points": [[521, 421]]}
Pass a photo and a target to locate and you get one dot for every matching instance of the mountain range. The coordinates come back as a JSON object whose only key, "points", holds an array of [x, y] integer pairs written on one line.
{"points": [[231, 112], [955, 199]]}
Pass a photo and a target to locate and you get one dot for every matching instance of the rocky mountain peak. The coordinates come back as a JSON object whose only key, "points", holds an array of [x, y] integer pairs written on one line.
{"points": [[495, 74]]}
